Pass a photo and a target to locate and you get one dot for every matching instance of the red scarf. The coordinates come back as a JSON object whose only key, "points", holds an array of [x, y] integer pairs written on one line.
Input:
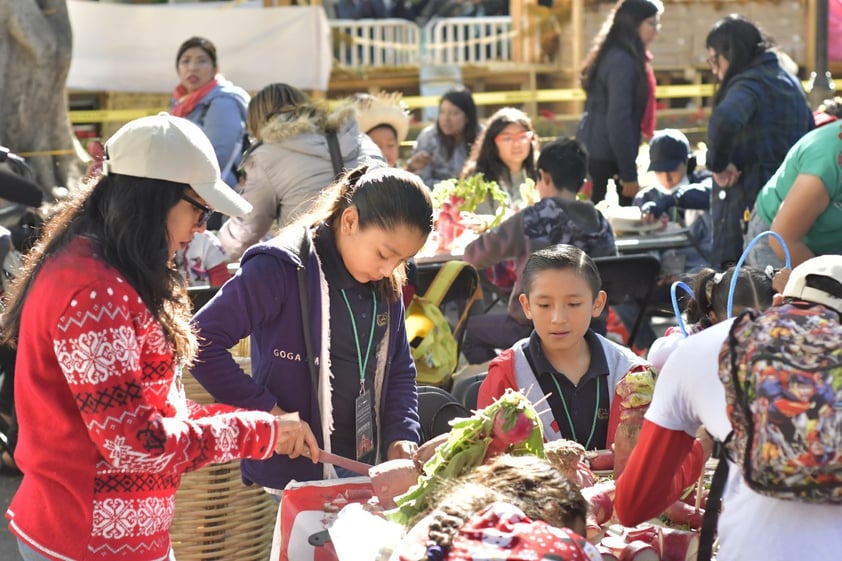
{"points": [[186, 102], [649, 120]]}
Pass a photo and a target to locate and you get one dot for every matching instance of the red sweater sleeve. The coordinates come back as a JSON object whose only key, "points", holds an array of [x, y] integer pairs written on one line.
{"points": [[219, 275], [663, 463], [122, 351], [501, 375]]}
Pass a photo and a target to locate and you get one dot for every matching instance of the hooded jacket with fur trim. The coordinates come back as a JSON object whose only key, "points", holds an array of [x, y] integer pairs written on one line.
{"points": [[290, 168]]}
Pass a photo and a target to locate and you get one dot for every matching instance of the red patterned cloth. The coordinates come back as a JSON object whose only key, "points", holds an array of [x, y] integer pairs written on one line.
{"points": [[503, 532], [105, 428]]}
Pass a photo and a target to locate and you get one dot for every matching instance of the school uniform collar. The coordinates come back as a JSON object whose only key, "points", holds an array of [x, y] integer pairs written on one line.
{"points": [[332, 264], [598, 365]]}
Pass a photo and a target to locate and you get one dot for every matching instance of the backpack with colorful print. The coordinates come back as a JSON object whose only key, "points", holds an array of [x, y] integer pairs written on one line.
{"points": [[782, 372]]}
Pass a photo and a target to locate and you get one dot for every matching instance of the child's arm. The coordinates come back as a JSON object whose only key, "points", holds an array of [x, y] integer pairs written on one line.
{"points": [[501, 376], [239, 308], [503, 242], [399, 404], [662, 465]]}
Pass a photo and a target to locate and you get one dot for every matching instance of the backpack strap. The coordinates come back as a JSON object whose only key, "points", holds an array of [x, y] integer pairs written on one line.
{"points": [[303, 294], [714, 503], [335, 152], [441, 284]]}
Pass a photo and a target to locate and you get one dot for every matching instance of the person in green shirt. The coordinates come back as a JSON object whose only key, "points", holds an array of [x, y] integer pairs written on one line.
{"points": [[802, 202]]}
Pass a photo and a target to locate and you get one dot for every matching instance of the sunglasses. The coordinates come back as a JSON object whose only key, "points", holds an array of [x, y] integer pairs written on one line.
{"points": [[206, 211]]}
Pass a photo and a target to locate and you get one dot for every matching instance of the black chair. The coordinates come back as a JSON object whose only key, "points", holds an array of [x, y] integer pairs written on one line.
{"points": [[629, 279], [436, 408], [466, 388], [201, 295]]}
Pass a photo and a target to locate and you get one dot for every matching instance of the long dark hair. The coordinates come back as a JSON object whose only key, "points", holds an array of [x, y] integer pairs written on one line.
{"points": [[739, 41], [385, 198], [621, 29], [460, 97], [485, 156], [126, 217]]}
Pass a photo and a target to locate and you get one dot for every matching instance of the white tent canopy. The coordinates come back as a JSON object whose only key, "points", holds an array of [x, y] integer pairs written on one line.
{"points": [[132, 48]]}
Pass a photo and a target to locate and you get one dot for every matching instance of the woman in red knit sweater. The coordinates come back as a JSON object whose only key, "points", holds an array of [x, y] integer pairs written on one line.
{"points": [[101, 321]]}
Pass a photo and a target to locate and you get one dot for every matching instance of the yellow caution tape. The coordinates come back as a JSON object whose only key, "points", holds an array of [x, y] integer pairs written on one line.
{"points": [[512, 97]]}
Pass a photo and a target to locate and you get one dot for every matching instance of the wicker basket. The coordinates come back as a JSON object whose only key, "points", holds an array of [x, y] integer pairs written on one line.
{"points": [[216, 516]]}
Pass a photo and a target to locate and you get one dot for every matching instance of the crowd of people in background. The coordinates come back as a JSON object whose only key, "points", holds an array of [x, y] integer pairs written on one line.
{"points": [[320, 210]]}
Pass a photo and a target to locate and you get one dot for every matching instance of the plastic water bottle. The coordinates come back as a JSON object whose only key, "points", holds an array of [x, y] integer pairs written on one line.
{"points": [[612, 198]]}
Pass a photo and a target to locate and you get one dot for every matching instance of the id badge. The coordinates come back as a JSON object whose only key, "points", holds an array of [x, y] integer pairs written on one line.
{"points": [[365, 427]]}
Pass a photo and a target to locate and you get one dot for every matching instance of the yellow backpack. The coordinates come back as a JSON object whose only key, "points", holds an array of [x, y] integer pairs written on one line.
{"points": [[432, 343]]}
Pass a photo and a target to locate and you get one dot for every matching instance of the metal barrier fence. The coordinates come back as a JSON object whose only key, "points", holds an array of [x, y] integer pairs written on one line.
{"points": [[468, 40], [399, 42], [375, 42]]}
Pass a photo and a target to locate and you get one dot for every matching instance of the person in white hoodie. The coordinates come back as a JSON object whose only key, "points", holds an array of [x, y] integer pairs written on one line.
{"points": [[290, 162]]}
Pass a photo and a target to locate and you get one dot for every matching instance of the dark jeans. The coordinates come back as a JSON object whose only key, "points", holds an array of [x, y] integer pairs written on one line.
{"points": [[601, 171]]}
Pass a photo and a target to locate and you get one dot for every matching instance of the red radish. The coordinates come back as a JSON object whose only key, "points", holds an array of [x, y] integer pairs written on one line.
{"points": [[645, 533], [680, 512], [691, 498], [678, 545], [639, 551], [615, 544], [600, 460], [600, 497], [601, 505], [510, 427], [607, 554], [392, 479]]}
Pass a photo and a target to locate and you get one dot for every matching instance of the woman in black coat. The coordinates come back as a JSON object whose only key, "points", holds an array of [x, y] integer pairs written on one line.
{"points": [[620, 88]]}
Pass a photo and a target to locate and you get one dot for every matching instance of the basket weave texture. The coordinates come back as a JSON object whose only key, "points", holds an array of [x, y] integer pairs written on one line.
{"points": [[217, 517]]}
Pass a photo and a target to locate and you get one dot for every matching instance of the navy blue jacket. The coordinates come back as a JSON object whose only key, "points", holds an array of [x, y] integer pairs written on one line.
{"points": [[262, 300]]}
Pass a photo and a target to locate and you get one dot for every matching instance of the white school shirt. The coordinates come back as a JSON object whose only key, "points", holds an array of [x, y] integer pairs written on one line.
{"points": [[752, 527]]}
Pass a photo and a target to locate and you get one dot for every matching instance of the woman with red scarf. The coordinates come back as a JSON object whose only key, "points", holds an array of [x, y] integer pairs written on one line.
{"points": [[620, 86], [206, 98]]}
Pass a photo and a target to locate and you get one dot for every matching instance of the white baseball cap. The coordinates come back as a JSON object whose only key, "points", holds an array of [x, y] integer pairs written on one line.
{"points": [[172, 149], [823, 266]]}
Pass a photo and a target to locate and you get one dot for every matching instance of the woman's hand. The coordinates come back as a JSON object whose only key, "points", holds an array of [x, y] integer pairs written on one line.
{"points": [[401, 449], [630, 188], [418, 161], [727, 177], [294, 435]]}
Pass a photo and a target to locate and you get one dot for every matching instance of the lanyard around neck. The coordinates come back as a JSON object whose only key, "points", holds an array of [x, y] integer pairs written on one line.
{"points": [[570, 419], [362, 362]]}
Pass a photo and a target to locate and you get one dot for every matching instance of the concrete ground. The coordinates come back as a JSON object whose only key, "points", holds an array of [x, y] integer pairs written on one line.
{"points": [[8, 543]]}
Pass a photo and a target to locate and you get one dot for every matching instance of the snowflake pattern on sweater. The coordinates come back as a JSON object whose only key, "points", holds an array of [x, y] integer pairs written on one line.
{"points": [[106, 430]]}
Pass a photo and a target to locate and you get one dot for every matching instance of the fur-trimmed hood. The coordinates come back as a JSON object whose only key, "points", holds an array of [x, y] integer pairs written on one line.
{"points": [[316, 121]]}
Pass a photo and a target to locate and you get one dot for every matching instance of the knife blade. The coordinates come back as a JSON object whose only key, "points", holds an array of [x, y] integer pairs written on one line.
{"points": [[341, 461]]}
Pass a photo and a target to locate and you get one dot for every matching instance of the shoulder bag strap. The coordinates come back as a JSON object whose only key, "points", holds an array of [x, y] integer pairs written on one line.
{"points": [[303, 293], [335, 152]]}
